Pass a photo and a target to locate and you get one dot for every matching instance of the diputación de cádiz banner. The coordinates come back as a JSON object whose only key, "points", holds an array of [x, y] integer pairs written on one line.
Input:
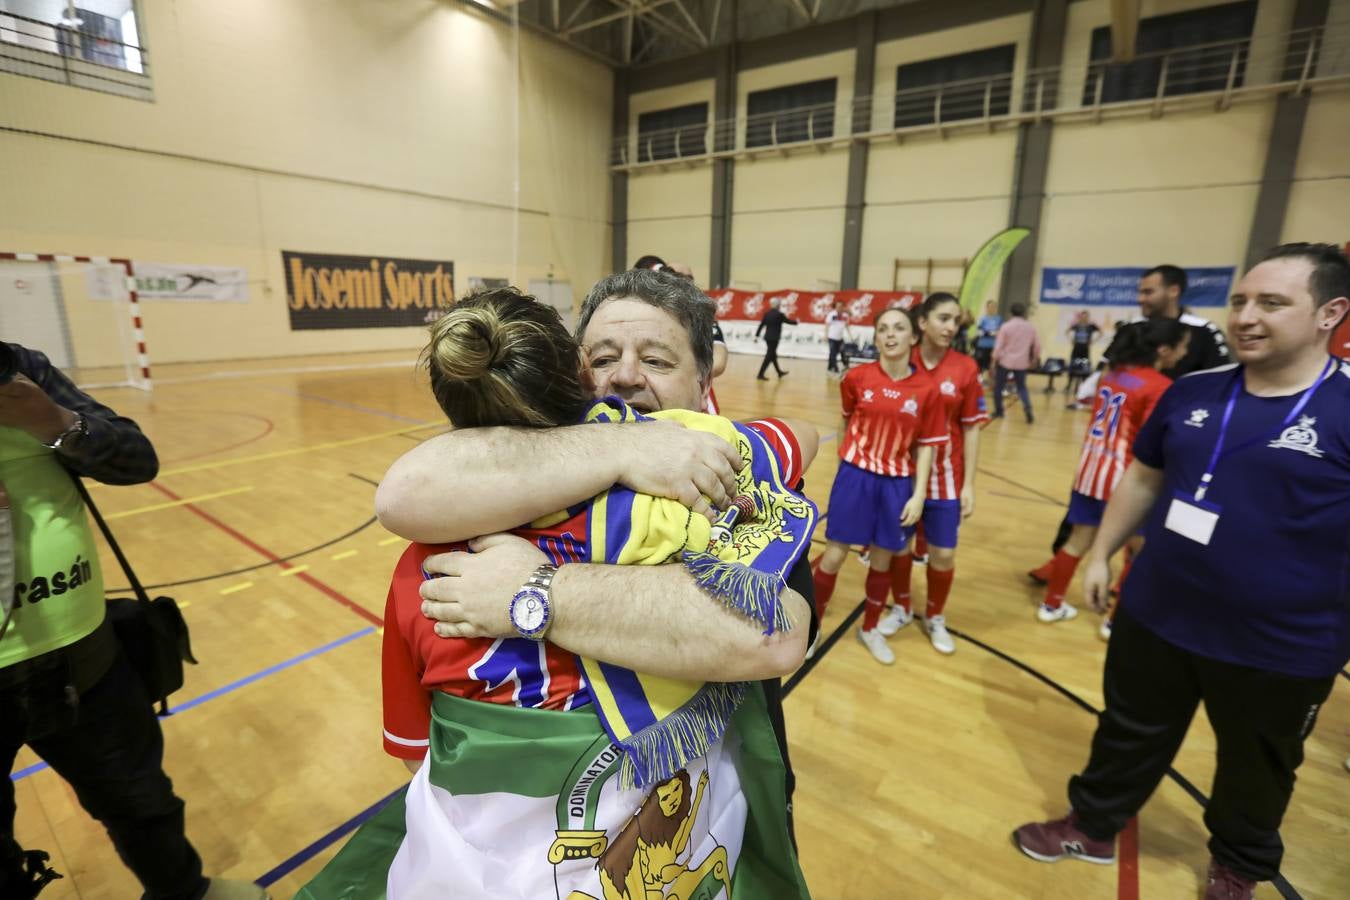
{"points": [[329, 291]]}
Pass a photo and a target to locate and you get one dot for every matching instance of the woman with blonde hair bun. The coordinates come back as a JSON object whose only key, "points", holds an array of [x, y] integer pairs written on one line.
{"points": [[478, 718]]}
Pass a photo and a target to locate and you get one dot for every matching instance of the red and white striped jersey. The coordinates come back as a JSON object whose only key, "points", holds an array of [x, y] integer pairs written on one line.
{"points": [[511, 671], [958, 381], [1125, 399], [887, 417]]}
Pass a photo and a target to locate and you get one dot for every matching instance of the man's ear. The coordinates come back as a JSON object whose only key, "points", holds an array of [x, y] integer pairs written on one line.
{"points": [[1331, 314]]}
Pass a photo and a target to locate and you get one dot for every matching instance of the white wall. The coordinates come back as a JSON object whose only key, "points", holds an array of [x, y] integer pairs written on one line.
{"points": [[365, 127]]}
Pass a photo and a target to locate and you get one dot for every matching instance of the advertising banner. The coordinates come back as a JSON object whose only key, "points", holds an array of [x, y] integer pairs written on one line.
{"points": [[327, 291], [1120, 286], [739, 313], [986, 265]]}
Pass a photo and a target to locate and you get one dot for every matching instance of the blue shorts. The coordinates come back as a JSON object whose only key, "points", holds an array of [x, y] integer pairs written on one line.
{"points": [[941, 522], [1085, 510], [865, 509]]}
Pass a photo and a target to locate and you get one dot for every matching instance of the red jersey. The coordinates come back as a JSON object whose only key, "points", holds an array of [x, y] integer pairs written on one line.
{"points": [[1125, 399], [958, 381], [887, 417], [511, 671]]}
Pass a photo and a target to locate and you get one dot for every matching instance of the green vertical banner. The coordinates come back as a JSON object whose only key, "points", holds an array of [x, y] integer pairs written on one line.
{"points": [[986, 264]]}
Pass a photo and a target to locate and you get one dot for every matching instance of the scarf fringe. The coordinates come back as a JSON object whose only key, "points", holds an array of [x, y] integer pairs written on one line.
{"points": [[752, 593], [663, 748]]}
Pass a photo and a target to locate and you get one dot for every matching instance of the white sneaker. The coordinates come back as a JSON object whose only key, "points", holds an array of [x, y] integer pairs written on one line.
{"points": [[875, 641], [893, 619], [865, 557], [1104, 632], [811, 651], [921, 560], [937, 634], [1065, 612]]}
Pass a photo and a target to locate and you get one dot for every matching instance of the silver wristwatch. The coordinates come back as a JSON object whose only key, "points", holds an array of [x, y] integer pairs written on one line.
{"points": [[81, 428], [531, 608]]}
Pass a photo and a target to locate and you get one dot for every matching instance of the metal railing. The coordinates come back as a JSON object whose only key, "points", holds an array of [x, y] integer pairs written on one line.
{"points": [[64, 53], [1218, 74]]}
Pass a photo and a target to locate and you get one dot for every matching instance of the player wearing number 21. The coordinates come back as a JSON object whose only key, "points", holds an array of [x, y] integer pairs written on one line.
{"points": [[1241, 480], [1126, 396]]}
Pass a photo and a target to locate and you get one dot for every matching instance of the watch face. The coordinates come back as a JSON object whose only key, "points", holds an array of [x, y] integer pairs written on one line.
{"points": [[529, 611]]}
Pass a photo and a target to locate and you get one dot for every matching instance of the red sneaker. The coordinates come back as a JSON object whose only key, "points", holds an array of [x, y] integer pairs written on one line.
{"points": [[1052, 841], [1225, 884]]}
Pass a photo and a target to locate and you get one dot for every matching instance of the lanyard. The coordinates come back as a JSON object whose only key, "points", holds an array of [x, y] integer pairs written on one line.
{"points": [[1238, 385]]}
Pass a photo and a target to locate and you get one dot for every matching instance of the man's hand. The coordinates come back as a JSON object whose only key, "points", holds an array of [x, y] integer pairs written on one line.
{"points": [[25, 406], [912, 512], [473, 598], [1096, 581], [665, 459], [967, 501]]}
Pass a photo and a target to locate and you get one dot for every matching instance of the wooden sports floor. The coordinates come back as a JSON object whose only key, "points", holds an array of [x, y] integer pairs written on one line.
{"points": [[910, 777]]}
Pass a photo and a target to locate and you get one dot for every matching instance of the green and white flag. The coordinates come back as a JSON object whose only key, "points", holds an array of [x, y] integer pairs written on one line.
{"points": [[526, 803]]}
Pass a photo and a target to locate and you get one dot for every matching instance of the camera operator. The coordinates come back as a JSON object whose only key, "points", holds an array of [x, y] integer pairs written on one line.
{"points": [[66, 688]]}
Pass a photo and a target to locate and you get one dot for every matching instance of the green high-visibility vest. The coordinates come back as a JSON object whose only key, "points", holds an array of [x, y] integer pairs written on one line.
{"points": [[58, 584]]}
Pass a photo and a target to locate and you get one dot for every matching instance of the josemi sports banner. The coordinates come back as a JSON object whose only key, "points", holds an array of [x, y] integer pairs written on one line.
{"points": [[325, 291], [739, 314]]}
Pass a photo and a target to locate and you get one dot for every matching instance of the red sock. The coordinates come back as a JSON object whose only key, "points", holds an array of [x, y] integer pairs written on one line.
{"points": [[1044, 572], [1065, 564], [939, 586], [824, 584], [878, 584], [902, 564]]}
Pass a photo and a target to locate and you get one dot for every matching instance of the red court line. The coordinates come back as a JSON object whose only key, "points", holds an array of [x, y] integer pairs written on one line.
{"points": [[1127, 862], [263, 551]]}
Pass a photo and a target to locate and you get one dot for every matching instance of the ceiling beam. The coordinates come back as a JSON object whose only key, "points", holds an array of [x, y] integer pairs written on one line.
{"points": [[615, 16]]}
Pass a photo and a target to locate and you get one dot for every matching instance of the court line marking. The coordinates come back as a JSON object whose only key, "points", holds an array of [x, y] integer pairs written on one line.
{"points": [[231, 687], [199, 579], [292, 570], [235, 446], [343, 404], [236, 588], [258, 548], [155, 507], [390, 540], [293, 370], [289, 865], [345, 554], [1280, 883], [1029, 490], [1127, 862], [294, 451]]}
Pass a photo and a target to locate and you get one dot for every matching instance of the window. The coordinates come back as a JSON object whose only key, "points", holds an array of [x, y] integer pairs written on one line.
{"points": [[673, 133], [1200, 47], [104, 35], [962, 81], [797, 112]]}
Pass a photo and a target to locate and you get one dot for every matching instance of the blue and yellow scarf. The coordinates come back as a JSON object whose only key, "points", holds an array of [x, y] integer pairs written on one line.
{"points": [[742, 560]]}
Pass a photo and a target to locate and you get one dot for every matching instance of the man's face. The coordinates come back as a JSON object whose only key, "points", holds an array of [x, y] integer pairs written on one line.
{"points": [[642, 355], [1272, 317], [1155, 298], [990, 309], [1082, 318]]}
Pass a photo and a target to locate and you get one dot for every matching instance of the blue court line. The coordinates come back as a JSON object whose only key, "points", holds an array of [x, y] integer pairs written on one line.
{"points": [[354, 407], [829, 437], [323, 843], [233, 686]]}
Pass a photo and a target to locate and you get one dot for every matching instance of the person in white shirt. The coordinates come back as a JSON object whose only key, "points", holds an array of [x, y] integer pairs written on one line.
{"points": [[836, 330]]}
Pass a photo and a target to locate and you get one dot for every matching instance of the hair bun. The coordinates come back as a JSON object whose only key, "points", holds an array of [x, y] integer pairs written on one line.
{"points": [[466, 343]]}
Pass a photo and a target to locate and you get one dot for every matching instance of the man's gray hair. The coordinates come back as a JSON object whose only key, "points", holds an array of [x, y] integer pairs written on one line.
{"points": [[693, 309]]}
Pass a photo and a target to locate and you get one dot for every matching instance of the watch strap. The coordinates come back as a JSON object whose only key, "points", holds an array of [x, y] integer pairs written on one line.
{"points": [[80, 427]]}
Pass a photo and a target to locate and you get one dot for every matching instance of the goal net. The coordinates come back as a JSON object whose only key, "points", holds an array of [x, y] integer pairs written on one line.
{"points": [[80, 312]]}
